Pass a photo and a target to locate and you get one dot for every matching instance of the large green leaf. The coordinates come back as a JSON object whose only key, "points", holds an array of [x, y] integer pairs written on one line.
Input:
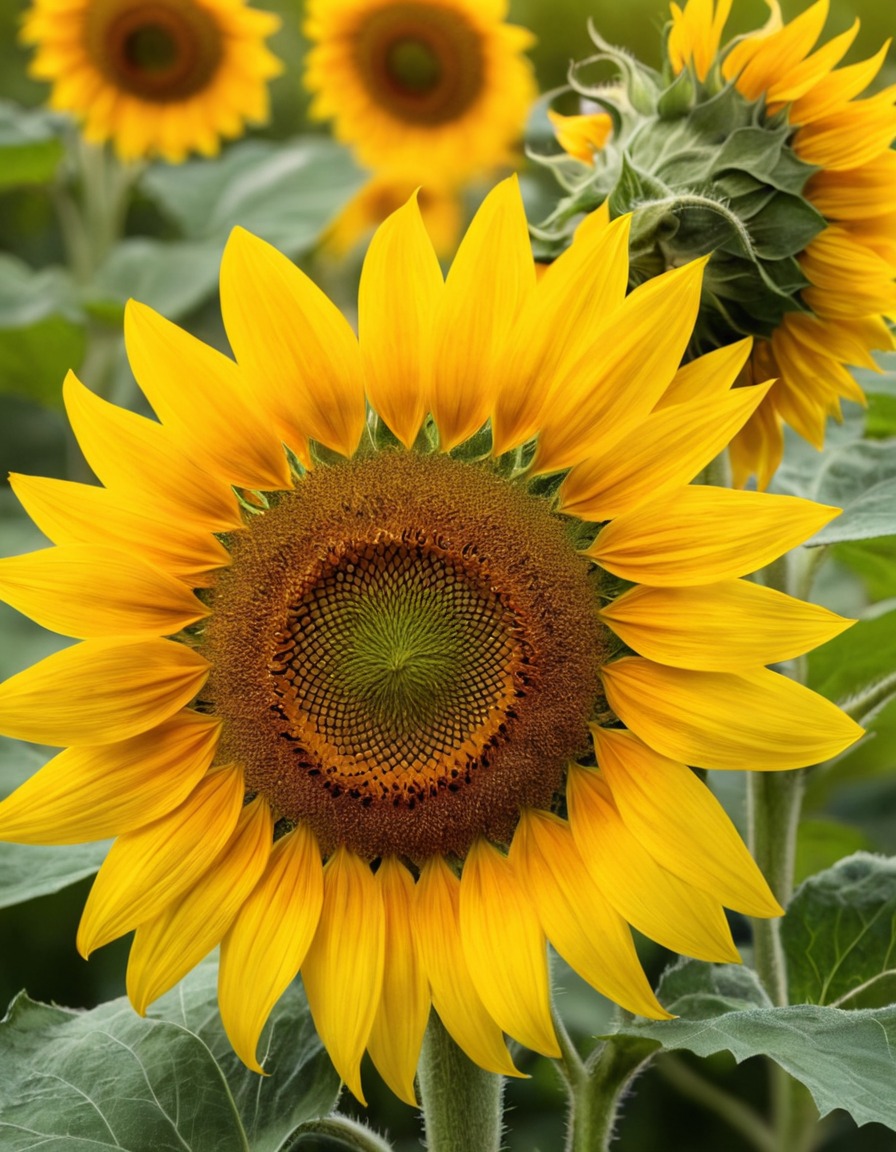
{"points": [[108, 1078], [302, 1083], [84, 1081], [840, 934], [846, 1059], [30, 148], [284, 192]]}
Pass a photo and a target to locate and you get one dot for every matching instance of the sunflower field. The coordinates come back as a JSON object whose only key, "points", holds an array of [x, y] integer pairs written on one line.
{"points": [[447, 576]]}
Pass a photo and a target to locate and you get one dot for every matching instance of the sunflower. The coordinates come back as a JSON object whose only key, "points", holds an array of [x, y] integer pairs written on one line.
{"points": [[393, 692], [425, 92], [157, 77], [763, 149]]}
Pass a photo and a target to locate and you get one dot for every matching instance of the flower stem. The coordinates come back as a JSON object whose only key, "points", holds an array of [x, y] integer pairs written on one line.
{"points": [[774, 803], [349, 1133], [462, 1103], [596, 1086]]}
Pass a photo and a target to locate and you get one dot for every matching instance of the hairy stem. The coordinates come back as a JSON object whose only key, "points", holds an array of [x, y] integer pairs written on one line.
{"points": [[462, 1103]]}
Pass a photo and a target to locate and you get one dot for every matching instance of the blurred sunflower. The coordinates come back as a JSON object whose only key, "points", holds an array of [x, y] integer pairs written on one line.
{"points": [[425, 92], [338, 699], [156, 77], [761, 150]]}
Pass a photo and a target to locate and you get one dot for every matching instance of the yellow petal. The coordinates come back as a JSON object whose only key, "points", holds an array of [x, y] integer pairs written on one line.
{"points": [[490, 280], [135, 458], [145, 870], [505, 948], [624, 373], [212, 420], [92, 591], [101, 691], [343, 971], [70, 513], [267, 942], [725, 627], [299, 356], [656, 902], [400, 1021], [91, 793], [666, 451], [697, 534], [581, 136], [680, 823], [437, 926], [167, 947], [760, 62], [585, 929], [401, 287], [556, 327], [756, 721], [708, 377]]}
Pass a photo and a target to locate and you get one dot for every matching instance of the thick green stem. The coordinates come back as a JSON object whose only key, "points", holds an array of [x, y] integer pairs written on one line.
{"points": [[462, 1103], [774, 803]]}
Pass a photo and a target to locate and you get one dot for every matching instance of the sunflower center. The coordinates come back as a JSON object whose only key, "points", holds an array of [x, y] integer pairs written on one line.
{"points": [[405, 651], [413, 66], [158, 50], [421, 63]]}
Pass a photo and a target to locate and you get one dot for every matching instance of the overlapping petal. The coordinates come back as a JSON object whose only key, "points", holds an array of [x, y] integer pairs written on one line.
{"points": [[343, 971], [269, 939], [757, 721]]}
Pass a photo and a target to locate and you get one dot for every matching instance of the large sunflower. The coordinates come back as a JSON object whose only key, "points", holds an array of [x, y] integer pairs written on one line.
{"points": [[399, 701], [157, 77], [425, 92], [762, 149]]}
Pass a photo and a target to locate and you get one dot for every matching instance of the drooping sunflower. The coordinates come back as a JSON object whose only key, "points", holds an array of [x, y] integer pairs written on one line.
{"points": [[156, 77], [425, 92], [765, 152], [393, 691]]}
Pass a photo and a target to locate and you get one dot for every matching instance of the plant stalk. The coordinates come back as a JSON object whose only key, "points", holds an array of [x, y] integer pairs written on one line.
{"points": [[462, 1103]]}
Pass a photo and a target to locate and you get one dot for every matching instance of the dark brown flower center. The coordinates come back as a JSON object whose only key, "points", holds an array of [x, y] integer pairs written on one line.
{"points": [[159, 50], [405, 651], [421, 63]]}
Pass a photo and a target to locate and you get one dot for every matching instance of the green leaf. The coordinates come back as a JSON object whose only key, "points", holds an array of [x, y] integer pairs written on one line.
{"points": [[861, 655], [874, 561], [284, 192], [28, 871], [840, 934], [84, 1081], [172, 277], [866, 517], [846, 1059], [41, 330], [30, 148], [302, 1084]]}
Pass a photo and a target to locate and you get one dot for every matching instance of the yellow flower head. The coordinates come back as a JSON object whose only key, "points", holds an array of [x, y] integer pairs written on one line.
{"points": [[765, 151], [425, 92], [156, 77], [393, 690]]}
